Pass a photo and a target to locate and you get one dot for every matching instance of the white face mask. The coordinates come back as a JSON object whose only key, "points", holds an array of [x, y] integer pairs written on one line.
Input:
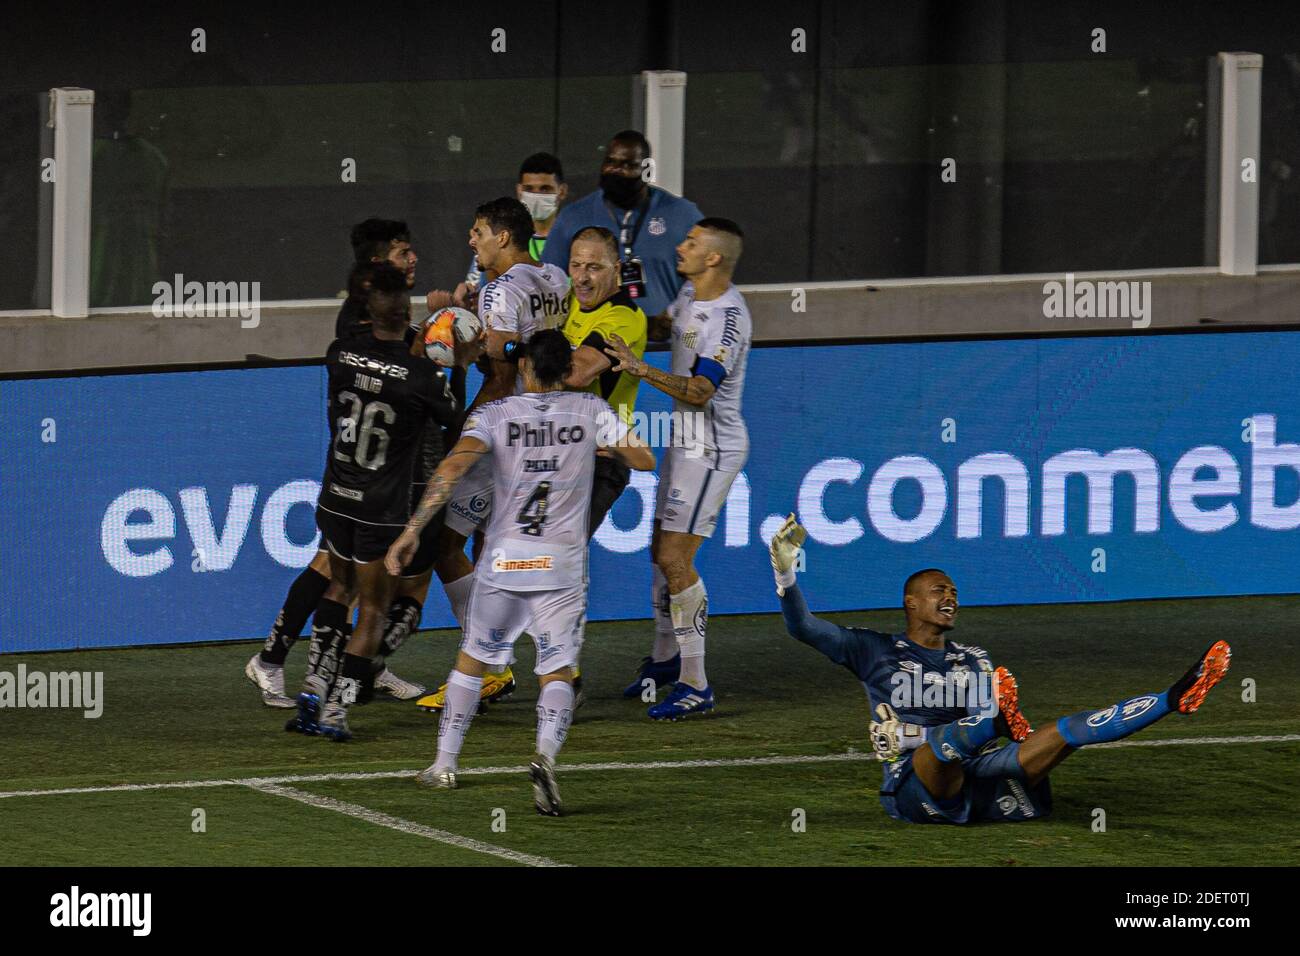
{"points": [[541, 206]]}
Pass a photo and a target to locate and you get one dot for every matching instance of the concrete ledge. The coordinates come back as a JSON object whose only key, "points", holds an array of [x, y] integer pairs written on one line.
{"points": [[998, 305]]}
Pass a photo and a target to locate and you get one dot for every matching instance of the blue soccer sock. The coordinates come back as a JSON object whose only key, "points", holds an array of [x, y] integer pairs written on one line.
{"points": [[962, 739], [1114, 722]]}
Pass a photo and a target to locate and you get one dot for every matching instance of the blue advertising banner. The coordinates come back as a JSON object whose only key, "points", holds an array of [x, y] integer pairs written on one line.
{"points": [[176, 507]]}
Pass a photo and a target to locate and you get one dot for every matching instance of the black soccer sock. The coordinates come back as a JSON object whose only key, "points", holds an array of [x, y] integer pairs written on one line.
{"points": [[352, 680], [403, 618], [329, 634], [304, 594]]}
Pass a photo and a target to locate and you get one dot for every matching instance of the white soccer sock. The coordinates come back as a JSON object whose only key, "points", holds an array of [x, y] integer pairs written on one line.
{"points": [[690, 617], [554, 714], [665, 647], [458, 596], [460, 707]]}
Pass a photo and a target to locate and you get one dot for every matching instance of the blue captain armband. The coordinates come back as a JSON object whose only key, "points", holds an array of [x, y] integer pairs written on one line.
{"points": [[710, 369]]}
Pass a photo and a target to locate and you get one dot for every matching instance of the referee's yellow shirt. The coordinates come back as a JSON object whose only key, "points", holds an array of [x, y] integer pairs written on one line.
{"points": [[617, 315]]}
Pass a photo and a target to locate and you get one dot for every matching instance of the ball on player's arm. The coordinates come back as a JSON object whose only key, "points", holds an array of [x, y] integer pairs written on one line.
{"points": [[447, 327]]}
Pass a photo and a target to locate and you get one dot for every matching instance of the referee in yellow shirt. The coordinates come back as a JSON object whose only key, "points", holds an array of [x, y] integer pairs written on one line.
{"points": [[597, 309]]}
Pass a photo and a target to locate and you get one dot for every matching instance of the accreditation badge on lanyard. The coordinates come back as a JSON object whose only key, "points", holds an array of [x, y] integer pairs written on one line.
{"points": [[631, 271]]}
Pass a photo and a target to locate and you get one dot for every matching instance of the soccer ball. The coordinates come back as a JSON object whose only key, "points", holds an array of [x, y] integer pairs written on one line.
{"points": [[444, 329]]}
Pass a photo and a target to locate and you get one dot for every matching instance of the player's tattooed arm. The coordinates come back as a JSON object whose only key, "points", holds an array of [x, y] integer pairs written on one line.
{"points": [[692, 389], [441, 483]]}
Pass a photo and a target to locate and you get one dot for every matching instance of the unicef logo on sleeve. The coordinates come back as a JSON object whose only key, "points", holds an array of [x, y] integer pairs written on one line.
{"points": [[478, 504]]}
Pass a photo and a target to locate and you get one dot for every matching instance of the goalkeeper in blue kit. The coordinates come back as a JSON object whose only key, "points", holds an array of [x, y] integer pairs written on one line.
{"points": [[941, 708]]}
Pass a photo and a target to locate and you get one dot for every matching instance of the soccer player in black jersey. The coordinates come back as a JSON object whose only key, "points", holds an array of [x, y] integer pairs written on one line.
{"points": [[380, 398], [374, 242]]}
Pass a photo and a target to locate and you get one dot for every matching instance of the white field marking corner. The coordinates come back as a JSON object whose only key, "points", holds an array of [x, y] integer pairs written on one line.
{"points": [[774, 761], [403, 826]]}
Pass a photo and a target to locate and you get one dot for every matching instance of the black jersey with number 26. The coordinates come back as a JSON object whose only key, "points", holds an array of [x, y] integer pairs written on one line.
{"points": [[380, 397]]}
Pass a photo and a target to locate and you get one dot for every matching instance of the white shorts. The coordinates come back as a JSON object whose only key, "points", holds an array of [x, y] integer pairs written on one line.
{"points": [[494, 619], [471, 504], [691, 494]]}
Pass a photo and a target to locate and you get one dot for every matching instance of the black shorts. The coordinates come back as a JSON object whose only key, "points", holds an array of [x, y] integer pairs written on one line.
{"points": [[428, 550], [354, 540], [608, 482]]}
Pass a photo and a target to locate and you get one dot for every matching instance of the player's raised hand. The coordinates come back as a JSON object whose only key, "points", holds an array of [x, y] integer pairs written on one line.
{"points": [[440, 299], [625, 359], [786, 544], [401, 552]]}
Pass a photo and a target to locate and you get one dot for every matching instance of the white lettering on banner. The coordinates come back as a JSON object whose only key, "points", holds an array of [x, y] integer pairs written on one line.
{"points": [[115, 532], [970, 494], [274, 513], [138, 524], [1100, 471], [217, 553], [611, 537], [1184, 489], [880, 498], [812, 492]]}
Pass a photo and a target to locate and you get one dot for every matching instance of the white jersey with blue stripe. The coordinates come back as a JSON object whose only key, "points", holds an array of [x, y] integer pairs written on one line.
{"points": [[713, 339]]}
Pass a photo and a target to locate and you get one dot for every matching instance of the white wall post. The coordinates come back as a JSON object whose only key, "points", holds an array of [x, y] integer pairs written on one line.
{"points": [[1239, 164], [660, 109], [73, 112]]}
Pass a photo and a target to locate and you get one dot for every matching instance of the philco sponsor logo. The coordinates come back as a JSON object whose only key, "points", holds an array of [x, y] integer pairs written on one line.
{"points": [[77, 909], [82, 690], [218, 299]]}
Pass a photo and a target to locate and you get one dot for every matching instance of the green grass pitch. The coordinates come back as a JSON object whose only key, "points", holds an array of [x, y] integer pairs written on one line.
{"points": [[186, 714]]}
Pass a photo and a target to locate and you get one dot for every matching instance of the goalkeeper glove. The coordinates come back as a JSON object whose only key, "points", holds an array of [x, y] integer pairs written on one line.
{"points": [[786, 544], [891, 737]]}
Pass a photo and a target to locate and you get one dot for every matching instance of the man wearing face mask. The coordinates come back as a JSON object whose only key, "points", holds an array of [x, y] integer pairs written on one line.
{"points": [[647, 221], [541, 188]]}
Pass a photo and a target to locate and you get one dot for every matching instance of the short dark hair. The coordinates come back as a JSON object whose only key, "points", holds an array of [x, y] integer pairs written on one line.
{"points": [[542, 163], [632, 136], [388, 301], [917, 575], [359, 277], [551, 356], [718, 224], [510, 214], [598, 234], [373, 238]]}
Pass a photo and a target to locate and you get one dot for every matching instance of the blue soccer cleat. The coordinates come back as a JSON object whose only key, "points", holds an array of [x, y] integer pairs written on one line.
{"points": [[661, 672], [307, 719], [684, 701]]}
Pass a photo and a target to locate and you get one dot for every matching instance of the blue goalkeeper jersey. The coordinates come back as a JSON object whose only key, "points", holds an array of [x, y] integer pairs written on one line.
{"points": [[927, 687]]}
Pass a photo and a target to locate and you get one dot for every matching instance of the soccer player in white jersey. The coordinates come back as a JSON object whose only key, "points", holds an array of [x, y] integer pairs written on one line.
{"points": [[711, 334], [540, 447], [523, 299]]}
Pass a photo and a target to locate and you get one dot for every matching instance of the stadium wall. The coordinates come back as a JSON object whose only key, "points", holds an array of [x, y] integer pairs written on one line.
{"points": [[176, 506]]}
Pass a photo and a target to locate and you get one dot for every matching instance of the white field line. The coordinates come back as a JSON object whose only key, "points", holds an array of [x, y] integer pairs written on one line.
{"points": [[403, 826], [777, 761]]}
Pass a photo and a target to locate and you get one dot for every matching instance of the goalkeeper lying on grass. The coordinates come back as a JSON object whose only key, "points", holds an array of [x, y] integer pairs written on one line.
{"points": [[941, 707]]}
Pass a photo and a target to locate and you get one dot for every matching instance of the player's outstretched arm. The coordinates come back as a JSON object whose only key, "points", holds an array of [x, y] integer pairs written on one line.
{"points": [[441, 483], [831, 639], [691, 389], [588, 365]]}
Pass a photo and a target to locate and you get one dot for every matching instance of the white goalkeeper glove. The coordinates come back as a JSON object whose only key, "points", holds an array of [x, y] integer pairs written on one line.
{"points": [[786, 544], [891, 737]]}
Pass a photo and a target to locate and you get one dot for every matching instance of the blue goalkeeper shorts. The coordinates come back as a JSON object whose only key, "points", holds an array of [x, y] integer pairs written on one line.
{"points": [[994, 790]]}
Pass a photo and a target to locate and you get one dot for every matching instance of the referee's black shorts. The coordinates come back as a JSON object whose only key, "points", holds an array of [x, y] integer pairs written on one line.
{"points": [[608, 482]]}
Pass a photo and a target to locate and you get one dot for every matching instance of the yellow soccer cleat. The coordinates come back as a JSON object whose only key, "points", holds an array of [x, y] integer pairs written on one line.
{"points": [[496, 687]]}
